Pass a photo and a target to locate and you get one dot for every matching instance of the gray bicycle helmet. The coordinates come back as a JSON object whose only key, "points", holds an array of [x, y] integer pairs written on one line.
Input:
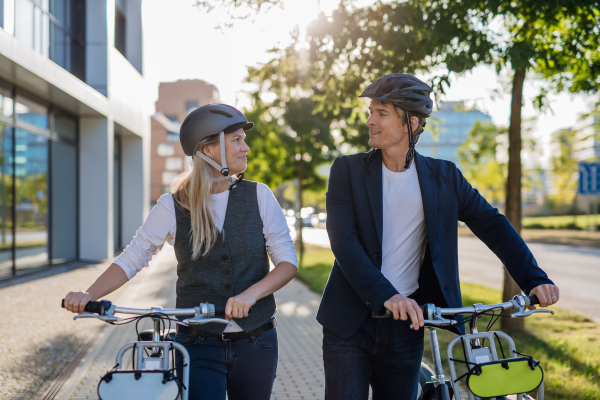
{"points": [[209, 120], [403, 90], [407, 92]]}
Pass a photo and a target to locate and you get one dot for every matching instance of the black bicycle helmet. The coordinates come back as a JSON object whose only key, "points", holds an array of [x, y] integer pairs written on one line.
{"points": [[407, 92], [209, 120], [403, 90]]}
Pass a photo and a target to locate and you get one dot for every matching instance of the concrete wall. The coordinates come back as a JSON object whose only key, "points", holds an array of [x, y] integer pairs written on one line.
{"points": [[96, 146]]}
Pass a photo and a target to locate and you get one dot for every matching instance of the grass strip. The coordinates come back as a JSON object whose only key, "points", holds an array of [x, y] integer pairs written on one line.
{"points": [[567, 344]]}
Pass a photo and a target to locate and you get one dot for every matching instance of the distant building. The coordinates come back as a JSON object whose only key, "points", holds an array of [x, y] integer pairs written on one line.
{"points": [[175, 101], [453, 125], [74, 131]]}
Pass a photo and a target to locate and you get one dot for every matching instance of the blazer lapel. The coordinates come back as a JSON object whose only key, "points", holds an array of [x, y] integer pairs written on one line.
{"points": [[374, 186], [428, 196]]}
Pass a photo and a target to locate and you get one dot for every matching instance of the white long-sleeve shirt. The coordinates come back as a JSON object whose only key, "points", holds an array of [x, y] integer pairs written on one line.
{"points": [[161, 227]]}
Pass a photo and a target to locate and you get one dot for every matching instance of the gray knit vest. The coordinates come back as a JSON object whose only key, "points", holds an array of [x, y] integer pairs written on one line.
{"points": [[237, 260]]}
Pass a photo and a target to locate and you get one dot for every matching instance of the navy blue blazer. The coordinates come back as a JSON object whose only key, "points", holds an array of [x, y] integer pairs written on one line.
{"points": [[356, 286]]}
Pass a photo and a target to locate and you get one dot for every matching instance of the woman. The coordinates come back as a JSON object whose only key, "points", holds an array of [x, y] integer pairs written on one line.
{"points": [[221, 228]]}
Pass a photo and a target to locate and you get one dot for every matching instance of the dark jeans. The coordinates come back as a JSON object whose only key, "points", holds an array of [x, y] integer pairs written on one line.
{"points": [[244, 368], [383, 353]]}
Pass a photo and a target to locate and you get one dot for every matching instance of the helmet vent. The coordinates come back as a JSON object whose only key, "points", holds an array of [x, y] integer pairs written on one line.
{"points": [[220, 112]]}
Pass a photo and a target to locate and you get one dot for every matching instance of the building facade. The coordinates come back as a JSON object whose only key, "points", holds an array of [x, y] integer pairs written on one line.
{"points": [[74, 131], [175, 101], [453, 124]]}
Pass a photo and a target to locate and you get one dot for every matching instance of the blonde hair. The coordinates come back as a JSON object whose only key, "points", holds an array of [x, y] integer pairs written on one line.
{"points": [[192, 190]]}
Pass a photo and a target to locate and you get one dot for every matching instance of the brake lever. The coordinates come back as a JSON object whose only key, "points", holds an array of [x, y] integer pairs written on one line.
{"points": [[202, 321], [528, 313], [105, 318]]}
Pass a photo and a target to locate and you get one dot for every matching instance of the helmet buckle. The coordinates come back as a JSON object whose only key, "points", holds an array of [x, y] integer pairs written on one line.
{"points": [[225, 171]]}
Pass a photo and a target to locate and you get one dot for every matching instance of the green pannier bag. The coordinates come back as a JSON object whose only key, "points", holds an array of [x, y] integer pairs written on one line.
{"points": [[504, 377]]}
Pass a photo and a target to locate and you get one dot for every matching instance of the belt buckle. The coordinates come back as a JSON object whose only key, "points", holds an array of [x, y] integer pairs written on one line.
{"points": [[223, 337]]}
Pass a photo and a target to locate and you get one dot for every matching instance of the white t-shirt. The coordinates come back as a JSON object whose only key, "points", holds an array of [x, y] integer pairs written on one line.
{"points": [[404, 229], [161, 227]]}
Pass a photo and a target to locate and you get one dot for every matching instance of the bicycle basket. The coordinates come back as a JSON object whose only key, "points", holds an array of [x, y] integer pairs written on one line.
{"points": [[504, 377], [136, 384]]}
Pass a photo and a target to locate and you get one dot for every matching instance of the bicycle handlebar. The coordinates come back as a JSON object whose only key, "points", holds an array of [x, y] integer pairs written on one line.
{"points": [[434, 315]]}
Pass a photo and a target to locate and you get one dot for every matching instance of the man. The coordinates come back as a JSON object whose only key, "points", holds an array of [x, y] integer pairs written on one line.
{"points": [[391, 218]]}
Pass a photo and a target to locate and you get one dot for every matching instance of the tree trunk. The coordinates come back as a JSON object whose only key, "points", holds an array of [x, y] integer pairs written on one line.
{"points": [[513, 191], [299, 222]]}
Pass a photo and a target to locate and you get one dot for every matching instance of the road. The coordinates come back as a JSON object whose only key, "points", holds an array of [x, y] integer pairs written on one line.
{"points": [[575, 270]]}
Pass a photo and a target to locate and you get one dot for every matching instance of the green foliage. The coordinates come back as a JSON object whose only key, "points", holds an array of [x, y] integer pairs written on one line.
{"points": [[477, 158], [288, 143]]}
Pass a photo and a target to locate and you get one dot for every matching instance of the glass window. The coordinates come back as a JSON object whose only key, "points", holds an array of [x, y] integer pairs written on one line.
{"points": [[31, 112], [31, 205], [6, 102], [65, 126], [172, 137], [64, 201], [120, 29], [191, 105], [6, 237]]}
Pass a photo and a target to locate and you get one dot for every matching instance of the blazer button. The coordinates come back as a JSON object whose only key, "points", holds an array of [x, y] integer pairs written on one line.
{"points": [[377, 256], [369, 304], [224, 257], [226, 272], [227, 286], [222, 244]]}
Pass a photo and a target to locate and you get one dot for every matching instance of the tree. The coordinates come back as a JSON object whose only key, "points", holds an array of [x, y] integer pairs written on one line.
{"points": [[290, 141], [477, 157]]}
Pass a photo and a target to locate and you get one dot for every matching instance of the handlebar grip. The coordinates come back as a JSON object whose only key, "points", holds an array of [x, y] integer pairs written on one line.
{"points": [[219, 311], [533, 300], [96, 307]]}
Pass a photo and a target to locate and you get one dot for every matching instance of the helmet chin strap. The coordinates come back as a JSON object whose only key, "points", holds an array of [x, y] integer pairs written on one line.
{"points": [[222, 168]]}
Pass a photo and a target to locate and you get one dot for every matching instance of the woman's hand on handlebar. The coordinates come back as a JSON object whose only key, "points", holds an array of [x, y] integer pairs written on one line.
{"points": [[403, 308], [76, 301], [239, 306], [546, 294]]}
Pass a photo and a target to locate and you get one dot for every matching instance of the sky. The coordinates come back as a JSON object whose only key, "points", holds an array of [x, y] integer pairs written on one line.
{"points": [[182, 42]]}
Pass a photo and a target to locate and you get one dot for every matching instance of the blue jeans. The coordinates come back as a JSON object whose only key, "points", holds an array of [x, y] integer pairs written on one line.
{"points": [[383, 353], [243, 368]]}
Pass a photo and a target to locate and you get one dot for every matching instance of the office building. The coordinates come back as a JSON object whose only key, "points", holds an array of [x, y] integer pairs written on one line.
{"points": [[453, 124], [74, 131]]}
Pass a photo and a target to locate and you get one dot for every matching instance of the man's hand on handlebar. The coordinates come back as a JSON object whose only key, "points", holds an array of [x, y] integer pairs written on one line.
{"points": [[547, 295], [76, 301], [403, 307]]}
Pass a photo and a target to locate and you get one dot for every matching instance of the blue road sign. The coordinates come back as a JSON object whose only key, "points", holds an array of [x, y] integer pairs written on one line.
{"points": [[589, 179]]}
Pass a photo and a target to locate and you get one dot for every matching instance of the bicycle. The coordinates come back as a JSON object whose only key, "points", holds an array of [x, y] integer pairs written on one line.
{"points": [[153, 378], [487, 375]]}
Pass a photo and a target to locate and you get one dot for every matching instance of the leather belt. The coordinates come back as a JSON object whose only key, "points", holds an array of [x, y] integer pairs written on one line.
{"points": [[226, 336]]}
